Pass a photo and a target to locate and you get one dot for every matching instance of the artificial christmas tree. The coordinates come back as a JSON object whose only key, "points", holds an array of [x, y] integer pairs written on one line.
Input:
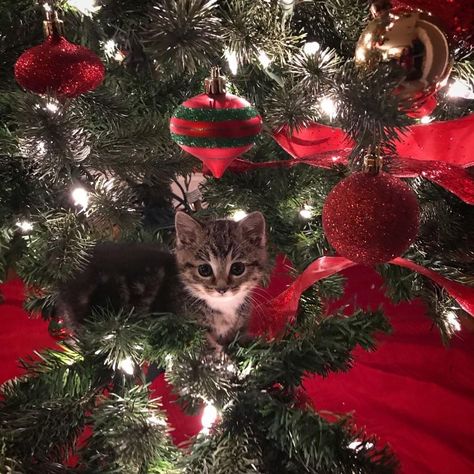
{"points": [[103, 166]]}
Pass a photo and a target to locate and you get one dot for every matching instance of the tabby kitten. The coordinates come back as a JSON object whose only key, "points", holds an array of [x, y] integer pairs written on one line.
{"points": [[211, 275]]}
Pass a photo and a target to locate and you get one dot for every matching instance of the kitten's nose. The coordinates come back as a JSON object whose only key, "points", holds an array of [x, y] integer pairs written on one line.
{"points": [[222, 290]]}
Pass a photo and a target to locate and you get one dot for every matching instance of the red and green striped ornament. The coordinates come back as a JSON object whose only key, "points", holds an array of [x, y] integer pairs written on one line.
{"points": [[216, 126]]}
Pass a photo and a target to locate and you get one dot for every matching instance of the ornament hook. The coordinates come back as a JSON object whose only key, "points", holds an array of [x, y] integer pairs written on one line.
{"points": [[373, 161], [52, 25], [215, 84]]}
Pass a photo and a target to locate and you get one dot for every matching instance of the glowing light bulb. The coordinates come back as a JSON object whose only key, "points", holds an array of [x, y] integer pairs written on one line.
{"points": [[238, 215], [311, 47], [461, 90], [119, 56], [354, 445], [265, 61], [208, 418], [86, 7], [360, 55], [306, 212], [126, 365], [111, 50], [231, 57], [25, 226], [357, 445], [80, 197], [426, 119], [109, 47], [329, 107], [453, 321], [52, 107]]}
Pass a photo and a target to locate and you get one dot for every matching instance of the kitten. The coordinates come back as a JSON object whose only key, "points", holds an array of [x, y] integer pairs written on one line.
{"points": [[215, 267], [219, 264]]}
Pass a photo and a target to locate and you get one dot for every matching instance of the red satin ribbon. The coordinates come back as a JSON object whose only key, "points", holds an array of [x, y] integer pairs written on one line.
{"points": [[463, 294], [438, 152], [452, 178], [272, 316], [448, 142]]}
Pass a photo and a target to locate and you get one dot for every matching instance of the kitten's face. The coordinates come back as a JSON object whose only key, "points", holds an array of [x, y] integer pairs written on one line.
{"points": [[223, 259]]}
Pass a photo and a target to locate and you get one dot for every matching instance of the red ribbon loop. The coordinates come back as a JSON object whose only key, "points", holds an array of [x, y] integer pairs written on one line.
{"points": [[438, 152], [272, 316]]}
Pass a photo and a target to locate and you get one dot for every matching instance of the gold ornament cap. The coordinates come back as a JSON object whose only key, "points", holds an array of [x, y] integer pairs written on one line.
{"points": [[215, 84], [372, 162], [52, 25]]}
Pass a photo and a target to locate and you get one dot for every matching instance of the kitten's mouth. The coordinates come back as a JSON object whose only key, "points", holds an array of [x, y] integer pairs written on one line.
{"points": [[222, 295], [231, 292]]}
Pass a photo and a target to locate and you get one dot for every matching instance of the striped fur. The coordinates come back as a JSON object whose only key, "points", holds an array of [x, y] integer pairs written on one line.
{"points": [[143, 277], [221, 243]]}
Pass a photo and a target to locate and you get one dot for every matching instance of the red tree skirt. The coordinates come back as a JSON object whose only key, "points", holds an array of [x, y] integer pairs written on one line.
{"points": [[414, 393]]}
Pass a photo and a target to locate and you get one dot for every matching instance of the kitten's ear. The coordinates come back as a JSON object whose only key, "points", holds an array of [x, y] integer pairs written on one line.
{"points": [[188, 230], [253, 228]]}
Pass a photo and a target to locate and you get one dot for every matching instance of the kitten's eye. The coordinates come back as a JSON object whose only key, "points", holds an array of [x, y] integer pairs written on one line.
{"points": [[205, 270], [237, 268]]}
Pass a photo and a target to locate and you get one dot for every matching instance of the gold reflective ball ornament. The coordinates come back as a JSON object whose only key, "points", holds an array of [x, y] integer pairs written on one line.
{"points": [[411, 40]]}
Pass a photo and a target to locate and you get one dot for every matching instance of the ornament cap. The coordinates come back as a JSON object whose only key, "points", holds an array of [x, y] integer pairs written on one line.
{"points": [[372, 162], [215, 84], [52, 25]]}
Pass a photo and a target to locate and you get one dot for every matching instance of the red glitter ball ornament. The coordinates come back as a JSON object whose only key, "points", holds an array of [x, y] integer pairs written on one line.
{"points": [[371, 219], [60, 68]]}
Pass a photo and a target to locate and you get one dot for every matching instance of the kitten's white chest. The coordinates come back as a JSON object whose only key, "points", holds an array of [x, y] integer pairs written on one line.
{"points": [[227, 316]]}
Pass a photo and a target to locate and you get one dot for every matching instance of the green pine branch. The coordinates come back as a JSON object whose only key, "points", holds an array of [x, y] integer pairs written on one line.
{"points": [[316, 445], [57, 248]]}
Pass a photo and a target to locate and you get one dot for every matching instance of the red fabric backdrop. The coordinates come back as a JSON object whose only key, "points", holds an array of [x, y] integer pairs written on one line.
{"points": [[414, 393]]}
